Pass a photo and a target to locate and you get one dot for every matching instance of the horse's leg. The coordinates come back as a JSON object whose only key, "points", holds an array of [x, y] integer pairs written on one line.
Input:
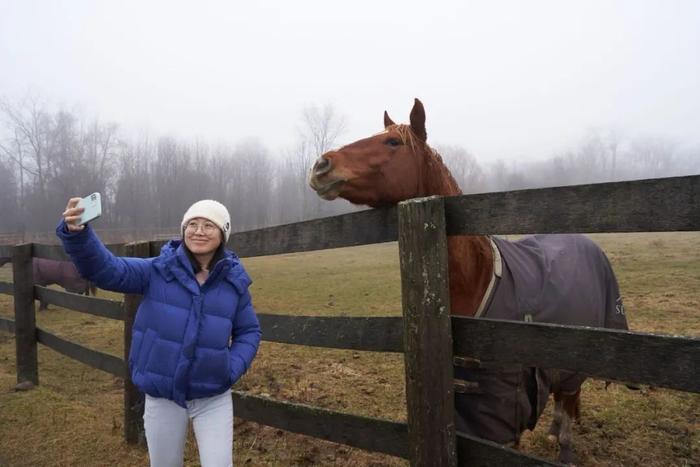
{"points": [[571, 408], [555, 427]]}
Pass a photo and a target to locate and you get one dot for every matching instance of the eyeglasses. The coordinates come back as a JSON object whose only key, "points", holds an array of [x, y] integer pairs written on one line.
{"points": [[207, 228]]}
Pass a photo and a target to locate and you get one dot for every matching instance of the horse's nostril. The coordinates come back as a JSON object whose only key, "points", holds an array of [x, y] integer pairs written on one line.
{"points": [[322, 166]]}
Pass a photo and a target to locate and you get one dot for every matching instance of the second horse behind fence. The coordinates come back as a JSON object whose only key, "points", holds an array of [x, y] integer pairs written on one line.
{"points": [[63, 273]]}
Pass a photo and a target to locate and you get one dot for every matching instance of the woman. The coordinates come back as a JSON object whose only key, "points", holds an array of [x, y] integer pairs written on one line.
{"points": [[195, 332]]}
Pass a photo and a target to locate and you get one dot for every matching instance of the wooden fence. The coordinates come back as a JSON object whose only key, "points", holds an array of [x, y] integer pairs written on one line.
{"points": [[429, 338]]}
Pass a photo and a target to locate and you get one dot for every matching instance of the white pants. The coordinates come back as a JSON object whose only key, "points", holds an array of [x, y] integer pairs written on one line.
{"points": [[166, 429]]}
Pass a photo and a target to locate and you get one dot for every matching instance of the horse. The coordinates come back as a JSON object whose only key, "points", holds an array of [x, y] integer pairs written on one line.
{"points": [[563, 279], [63, 273]]}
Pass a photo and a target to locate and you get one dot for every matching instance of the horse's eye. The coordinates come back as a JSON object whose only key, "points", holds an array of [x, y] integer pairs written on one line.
{"points": [[393, 142]]}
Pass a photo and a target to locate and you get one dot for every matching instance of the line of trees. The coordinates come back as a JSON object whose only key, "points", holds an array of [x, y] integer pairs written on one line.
{"points": [[47, 156]]}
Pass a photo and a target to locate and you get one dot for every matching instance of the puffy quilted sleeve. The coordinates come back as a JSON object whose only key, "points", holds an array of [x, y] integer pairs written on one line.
{"points": [[97, 264], [246, 332]]}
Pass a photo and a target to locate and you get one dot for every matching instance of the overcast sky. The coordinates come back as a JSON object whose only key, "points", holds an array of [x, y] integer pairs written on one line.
{"points": [[516, 80]]}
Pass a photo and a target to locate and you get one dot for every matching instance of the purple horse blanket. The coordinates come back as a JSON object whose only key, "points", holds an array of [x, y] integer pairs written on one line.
{"points": [[559, 279]]}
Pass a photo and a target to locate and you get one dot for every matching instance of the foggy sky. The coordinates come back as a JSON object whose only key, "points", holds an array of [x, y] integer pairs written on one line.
{"points": [[510, 80]]}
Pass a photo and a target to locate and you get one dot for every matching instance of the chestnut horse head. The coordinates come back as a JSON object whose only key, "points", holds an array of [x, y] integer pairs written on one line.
{"points": [[391, 166]]}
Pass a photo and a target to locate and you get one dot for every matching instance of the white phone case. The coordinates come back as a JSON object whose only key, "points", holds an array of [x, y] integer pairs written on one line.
{"points": [[93, 208]]}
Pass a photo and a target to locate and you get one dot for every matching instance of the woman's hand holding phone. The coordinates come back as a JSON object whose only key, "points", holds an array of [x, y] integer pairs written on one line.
{"points": [[72, 215]]}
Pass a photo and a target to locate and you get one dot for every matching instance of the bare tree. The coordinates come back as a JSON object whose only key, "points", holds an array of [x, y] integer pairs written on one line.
{"points": [[651, 157], [8, 198], [464, 167], [319, 131], [30, 124]]}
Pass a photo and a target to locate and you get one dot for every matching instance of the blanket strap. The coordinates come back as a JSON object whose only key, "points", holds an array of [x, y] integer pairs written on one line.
{"points": [[497, 272]]}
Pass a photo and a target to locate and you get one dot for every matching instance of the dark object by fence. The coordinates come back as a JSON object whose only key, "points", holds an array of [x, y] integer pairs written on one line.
{"points": [[25, 319]]}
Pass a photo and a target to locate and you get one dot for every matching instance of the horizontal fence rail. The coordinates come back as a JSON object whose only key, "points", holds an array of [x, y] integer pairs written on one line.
{"points": [[665, 361], [92, 305], [383, 334], [56, 251], [664, 204], [477, 452], [366, 433], [371, 434], [101, 361], [358, 228]]}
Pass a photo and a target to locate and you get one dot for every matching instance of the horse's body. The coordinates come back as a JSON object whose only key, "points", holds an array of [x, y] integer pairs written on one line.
{"points": [[564, 279], [63, 273]]}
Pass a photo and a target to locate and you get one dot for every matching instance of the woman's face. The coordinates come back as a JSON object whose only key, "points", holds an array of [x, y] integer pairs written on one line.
{"points": [[202, 236]]}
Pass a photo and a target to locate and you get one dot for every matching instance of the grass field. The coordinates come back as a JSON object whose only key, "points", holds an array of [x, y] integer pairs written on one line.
{"points": [[74, 417]]}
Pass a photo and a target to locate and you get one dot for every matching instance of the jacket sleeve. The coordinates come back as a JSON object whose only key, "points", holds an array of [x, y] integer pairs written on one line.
{"points": [[246, 337], [97, 264]]}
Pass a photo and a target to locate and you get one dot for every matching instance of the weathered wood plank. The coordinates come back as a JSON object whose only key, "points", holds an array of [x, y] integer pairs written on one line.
{"points": [[101, 361], [477, 452], [25, 319], [56, 251], [383, 334], [7, 288], [133, 399], [361, 432], [76, 302], [427, 333], [602, 353], [358, 228], [665, 204], [7, 325]]}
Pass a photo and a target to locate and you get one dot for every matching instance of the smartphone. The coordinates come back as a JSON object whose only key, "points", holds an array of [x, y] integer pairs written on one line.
{"points": [[93, 208]]}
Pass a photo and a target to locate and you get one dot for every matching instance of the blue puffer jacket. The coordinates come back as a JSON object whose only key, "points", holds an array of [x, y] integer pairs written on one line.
{"points": [[188, 341]]}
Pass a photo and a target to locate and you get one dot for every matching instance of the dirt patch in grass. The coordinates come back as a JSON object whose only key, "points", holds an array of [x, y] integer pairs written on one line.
{"points": [[75, 416]]}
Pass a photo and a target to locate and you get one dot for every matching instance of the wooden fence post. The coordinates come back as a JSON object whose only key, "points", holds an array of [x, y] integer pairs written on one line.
{"points": [[427, 333], [25, 318], [133, 399]]}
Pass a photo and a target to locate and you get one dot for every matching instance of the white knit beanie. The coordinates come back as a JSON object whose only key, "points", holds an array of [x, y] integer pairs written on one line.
{"points": [[210, 210]]}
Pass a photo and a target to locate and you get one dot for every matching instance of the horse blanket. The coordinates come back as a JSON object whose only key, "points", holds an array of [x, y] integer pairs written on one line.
{"points": [[559, 279]]}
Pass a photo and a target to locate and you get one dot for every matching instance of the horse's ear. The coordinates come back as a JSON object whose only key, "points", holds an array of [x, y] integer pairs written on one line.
{"points": [[418, 120], [387, 121]]}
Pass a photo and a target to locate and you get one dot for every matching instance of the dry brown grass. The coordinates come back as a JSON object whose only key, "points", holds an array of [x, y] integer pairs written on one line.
{"points": [[74, 416]]}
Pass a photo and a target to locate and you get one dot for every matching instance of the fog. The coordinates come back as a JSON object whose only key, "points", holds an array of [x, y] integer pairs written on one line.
{"points": [[515, 93]]}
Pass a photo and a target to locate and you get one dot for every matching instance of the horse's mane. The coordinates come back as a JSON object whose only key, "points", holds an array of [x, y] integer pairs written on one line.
{"points": [[434, 159]]}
